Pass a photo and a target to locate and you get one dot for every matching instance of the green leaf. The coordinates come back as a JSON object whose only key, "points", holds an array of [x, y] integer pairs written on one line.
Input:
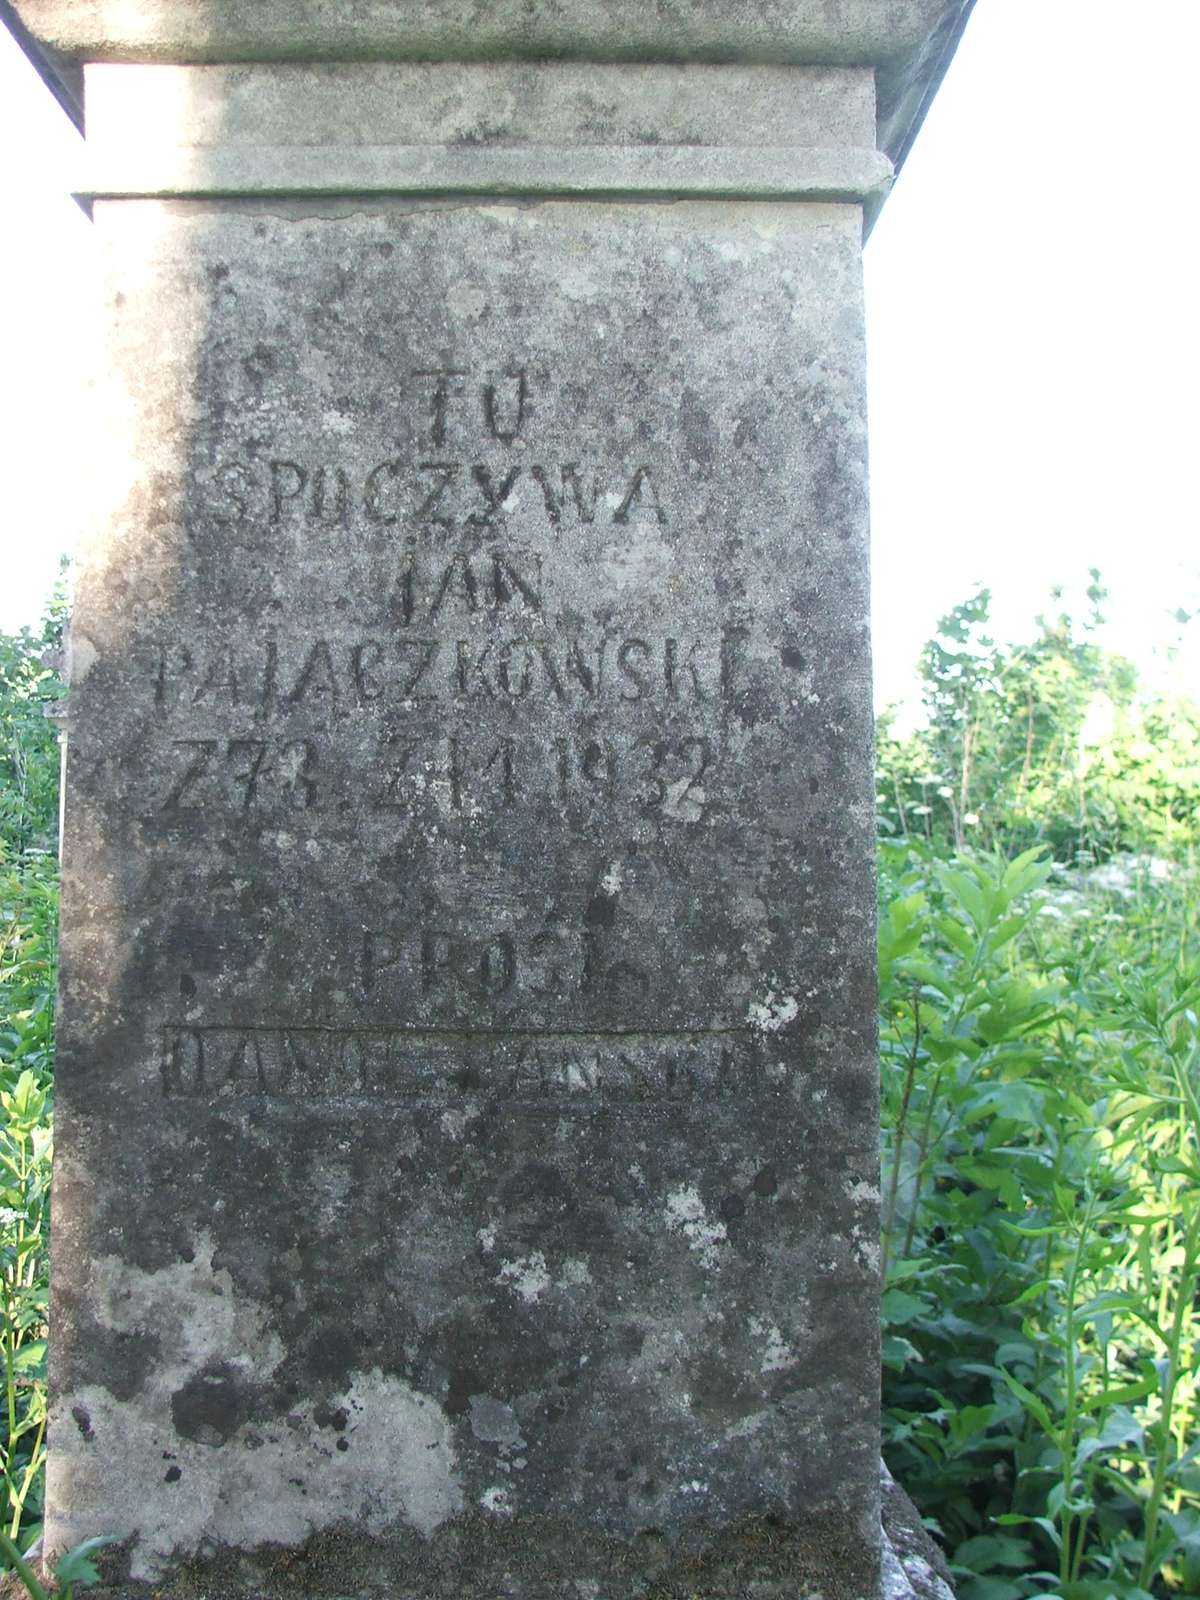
{"points": [[1027, 871], [1036, 1290], [1033, 1402], [77, 1566], [1122, 1394], [1019, 1102], [897, 1352], [900, 930], [1007, 930], [1010, 1519], [985, 1551], [956, 935], [1121, 1428], [899, 1307], [992, 1176], [990, 1588], [966, 892], [30, 1356]]}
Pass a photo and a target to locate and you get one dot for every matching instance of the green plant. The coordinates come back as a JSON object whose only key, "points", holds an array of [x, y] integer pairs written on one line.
{"points": [[29, 759], [76, 1568], [1049, 742], [1042, 1183], [28, 961], [24, 1202]]}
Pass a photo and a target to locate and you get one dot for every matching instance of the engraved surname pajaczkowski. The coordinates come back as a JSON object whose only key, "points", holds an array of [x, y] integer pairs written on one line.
{"points": [[275, 678], [380, 1064]]}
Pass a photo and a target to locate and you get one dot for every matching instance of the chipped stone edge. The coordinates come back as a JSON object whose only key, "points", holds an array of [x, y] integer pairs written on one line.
{"points": [[904, 1574]]}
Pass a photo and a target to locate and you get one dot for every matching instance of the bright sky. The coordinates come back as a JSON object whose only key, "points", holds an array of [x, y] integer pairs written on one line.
{"points": [[1034, 324], [1033, 301]]}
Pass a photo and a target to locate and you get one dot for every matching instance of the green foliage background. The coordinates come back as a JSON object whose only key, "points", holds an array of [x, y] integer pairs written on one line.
{"points": [[1040, 985], [29, 784], [1050, 742]]}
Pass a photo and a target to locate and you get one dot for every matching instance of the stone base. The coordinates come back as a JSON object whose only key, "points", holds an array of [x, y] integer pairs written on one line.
{"points": [[913, 1568], [531, 1559]]}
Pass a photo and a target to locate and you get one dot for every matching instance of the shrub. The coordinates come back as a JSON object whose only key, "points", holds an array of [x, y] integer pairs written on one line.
{"points": [[29, 776]]}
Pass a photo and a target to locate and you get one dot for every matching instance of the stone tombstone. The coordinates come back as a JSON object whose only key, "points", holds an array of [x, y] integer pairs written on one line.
{"points": [[467, 1126]]}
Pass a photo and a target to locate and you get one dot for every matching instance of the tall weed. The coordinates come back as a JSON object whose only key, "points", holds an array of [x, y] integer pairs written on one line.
{"points": [[1042, 1200], [28, 962], [28, 950]]}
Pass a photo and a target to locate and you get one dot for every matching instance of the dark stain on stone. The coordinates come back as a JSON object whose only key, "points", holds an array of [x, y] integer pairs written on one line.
{"points": [[259, 365], [326, 1417], [631, 1339], [733, 1207], [717, 1391], [601, 911], [791, 657], [536, 1183], [211, 1406], [331, 1354], [766, 1182], [120, 1360], [464, 1382], [699, 436], [172, 1475]]}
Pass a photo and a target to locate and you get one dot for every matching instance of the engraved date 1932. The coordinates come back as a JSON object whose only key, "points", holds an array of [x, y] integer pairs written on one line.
{"points": [[667, 775]]}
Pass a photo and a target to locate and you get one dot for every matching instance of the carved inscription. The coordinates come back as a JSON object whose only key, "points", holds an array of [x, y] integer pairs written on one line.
{"points": [[504, 394], [470, 497], [246, 773], [467, 643], [475, 964], [390, 673], [460, 775], [571, 1070], [455, 418], [465, 494]]}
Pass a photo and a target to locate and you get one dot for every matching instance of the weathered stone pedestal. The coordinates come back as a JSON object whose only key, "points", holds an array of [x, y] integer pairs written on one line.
{"points": [[467, 1121]]}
